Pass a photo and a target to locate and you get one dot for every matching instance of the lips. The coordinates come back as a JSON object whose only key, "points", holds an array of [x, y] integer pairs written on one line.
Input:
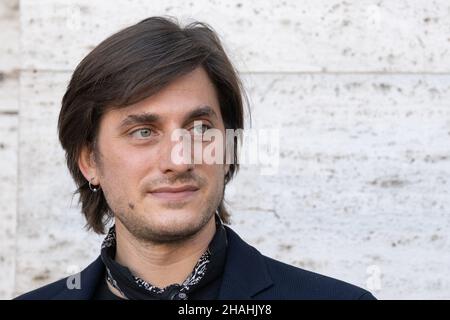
{"points": [[174, 193]]}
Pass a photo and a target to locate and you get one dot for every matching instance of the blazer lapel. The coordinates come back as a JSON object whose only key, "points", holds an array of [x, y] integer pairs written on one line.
{"points": [[245, 272]]}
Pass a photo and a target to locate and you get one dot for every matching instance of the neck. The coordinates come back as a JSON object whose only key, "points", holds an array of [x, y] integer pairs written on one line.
{"points": [[162, 264]]}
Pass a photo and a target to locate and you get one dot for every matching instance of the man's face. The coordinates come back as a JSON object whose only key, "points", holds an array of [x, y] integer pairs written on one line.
{"points": [[156, 198]]}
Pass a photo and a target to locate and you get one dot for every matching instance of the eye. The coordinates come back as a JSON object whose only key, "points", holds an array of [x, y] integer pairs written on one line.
{"points": [[142, 133], [200, 129]]}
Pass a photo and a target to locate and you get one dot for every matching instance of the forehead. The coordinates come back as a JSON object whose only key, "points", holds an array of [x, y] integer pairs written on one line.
{"points": [[179, 98]]}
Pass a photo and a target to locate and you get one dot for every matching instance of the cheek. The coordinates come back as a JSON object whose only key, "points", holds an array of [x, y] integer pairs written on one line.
{"points": [[125, 167], [215, 175]]}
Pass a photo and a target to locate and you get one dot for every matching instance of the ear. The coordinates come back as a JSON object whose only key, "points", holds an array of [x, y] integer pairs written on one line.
{"points": [[87, 165]]}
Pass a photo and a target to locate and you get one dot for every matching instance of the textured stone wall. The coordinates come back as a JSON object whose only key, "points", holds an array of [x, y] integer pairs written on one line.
{"points": [[359, 92], [9, 107]]}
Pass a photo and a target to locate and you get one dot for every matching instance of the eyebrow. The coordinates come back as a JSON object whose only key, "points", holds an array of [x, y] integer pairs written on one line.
{"points": [[203, 111], [139, 119], [145, 118]]}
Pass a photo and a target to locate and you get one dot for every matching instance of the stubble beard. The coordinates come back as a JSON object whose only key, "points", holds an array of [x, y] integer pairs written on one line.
{"points": [[144, 231]]}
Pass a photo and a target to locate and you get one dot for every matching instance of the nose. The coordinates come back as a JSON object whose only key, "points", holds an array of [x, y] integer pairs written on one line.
{"points": [[175, 155]]}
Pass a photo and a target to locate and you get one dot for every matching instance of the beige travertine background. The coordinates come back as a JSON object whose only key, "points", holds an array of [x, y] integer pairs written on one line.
{"points": [[359, 91]]}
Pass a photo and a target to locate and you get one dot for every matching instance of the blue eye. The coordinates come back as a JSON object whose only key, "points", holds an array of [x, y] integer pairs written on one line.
{"points": [[142, 133]]}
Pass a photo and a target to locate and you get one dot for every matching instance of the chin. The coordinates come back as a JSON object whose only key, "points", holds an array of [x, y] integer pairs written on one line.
{"points": [[175, 217], [176, 224]]}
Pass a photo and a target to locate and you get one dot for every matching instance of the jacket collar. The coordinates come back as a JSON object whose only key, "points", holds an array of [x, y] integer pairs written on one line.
{"points": [[89, 279], [245, 274]]}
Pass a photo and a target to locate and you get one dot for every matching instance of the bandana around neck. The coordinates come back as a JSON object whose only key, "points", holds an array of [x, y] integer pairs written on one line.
{"points": [[207, 268]]}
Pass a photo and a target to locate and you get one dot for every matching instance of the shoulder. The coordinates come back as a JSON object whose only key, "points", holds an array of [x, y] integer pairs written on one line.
{"points": [[290, 282], [262, 277], [79, 286], [47, 292]]}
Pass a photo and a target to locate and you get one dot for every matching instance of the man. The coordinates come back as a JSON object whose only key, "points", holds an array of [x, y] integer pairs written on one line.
{"points": [[169, 239]]}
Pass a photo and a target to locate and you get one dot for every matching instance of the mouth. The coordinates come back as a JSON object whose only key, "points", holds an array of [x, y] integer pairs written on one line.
{"points": [[174, 193]]}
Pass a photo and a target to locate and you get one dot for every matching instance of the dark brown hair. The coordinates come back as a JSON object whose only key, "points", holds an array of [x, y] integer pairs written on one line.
{"points": [[132, 65]]}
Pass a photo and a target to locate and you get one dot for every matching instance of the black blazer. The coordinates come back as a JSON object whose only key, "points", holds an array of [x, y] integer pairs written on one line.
{"points": [[247, 275]]}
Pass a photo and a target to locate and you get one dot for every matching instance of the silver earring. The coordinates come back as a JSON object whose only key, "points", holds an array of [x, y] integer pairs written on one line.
{"points": [[93, 189]]}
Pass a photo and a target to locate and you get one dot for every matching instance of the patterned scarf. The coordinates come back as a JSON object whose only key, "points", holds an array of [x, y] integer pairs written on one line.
{"points": [[131, 287]]}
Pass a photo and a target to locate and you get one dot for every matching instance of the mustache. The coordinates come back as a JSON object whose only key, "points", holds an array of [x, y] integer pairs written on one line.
{"points": [[177, 179]]}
